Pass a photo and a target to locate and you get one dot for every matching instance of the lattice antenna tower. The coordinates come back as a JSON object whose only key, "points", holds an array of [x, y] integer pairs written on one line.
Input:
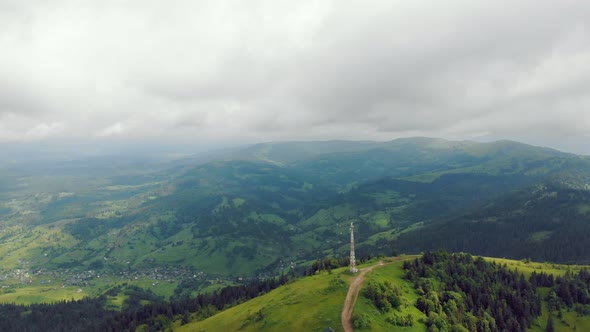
{"points": [[353, 268]]}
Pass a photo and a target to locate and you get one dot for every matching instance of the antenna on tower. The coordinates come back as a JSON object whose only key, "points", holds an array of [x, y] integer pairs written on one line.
{"points": [[353, 268]]}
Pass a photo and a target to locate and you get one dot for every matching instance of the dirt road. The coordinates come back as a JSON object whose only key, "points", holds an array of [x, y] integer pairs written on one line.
{"points": [[354, 290]]}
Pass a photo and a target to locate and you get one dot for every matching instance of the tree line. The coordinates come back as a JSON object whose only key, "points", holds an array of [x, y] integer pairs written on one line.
{"points": [[462, 293], [92, 314]]}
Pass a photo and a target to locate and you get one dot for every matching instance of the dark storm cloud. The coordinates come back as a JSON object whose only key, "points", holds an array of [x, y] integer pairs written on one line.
{"points": [[270, 70]]}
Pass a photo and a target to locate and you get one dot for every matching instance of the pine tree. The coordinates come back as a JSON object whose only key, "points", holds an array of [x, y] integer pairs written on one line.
{"points": [[549, 327]]}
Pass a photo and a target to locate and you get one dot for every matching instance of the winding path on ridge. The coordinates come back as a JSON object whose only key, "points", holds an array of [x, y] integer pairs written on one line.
{"points": [[355, 288]]}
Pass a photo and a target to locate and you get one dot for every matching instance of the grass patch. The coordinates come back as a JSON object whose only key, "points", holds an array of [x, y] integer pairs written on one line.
{"points": [[527, 267], [309, 304], [540, 236], [30, 295]]}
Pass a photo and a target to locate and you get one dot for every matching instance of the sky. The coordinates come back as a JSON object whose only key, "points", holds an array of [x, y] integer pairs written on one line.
{"points": [[255, 71]]}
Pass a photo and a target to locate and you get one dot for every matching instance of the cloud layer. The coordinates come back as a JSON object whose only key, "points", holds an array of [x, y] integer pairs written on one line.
{"points": [[273, 70]]}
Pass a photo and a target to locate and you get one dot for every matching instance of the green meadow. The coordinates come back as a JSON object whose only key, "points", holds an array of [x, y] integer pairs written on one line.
{"points": [[307, 304], [315, 303]]}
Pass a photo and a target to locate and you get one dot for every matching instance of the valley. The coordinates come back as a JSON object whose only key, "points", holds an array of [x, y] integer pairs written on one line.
{"points": [[178, 229]]}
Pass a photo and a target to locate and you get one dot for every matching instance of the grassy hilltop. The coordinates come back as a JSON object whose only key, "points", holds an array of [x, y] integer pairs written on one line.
{"points": [[315, 303]]}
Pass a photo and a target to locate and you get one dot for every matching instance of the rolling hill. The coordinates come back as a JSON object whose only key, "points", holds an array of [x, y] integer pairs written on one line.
{"points": [[318, 299], [260, 209]]}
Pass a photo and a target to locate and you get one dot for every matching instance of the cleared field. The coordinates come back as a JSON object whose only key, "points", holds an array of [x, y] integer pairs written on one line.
{"points": [[309, 304], [30, 295], [528, 267]]}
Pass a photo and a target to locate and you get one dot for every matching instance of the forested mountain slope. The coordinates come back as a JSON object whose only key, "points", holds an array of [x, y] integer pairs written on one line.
{"points": [[266, 207]]}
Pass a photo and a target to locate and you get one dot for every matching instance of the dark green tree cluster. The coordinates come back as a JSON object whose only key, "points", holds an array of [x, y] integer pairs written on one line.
{"points": [[158, 314], [571, 290], [326, 264], [399, 319], [504, 228], [459, 292], [90, 228], [362, 321], [384, 295], [82, 315], [92, 315]]}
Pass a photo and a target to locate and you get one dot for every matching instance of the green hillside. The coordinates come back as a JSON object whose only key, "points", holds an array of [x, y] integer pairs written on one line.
{"points": [[544, 222], [437, 291], [310, 304], [315, 303]]}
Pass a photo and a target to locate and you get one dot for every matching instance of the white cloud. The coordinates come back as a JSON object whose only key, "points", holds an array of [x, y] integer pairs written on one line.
{"points": [[44, 130], [269, 70], [112, 130]]}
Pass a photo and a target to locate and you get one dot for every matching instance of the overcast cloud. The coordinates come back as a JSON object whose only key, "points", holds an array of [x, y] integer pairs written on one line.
{"points": [[245, 71]]}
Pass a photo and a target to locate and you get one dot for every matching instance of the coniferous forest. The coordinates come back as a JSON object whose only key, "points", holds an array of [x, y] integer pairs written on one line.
{"points": [[91, 315], [459, 292]]}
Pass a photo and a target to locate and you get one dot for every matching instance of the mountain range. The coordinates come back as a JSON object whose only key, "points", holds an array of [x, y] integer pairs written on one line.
{"points": [[258, 209]]}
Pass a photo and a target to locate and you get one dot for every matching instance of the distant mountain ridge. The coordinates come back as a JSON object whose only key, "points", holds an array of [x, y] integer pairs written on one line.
{"points": [[283, 153]]}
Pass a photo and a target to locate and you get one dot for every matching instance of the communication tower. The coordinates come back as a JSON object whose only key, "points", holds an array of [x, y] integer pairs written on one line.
{"points": [[353, 268]]}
